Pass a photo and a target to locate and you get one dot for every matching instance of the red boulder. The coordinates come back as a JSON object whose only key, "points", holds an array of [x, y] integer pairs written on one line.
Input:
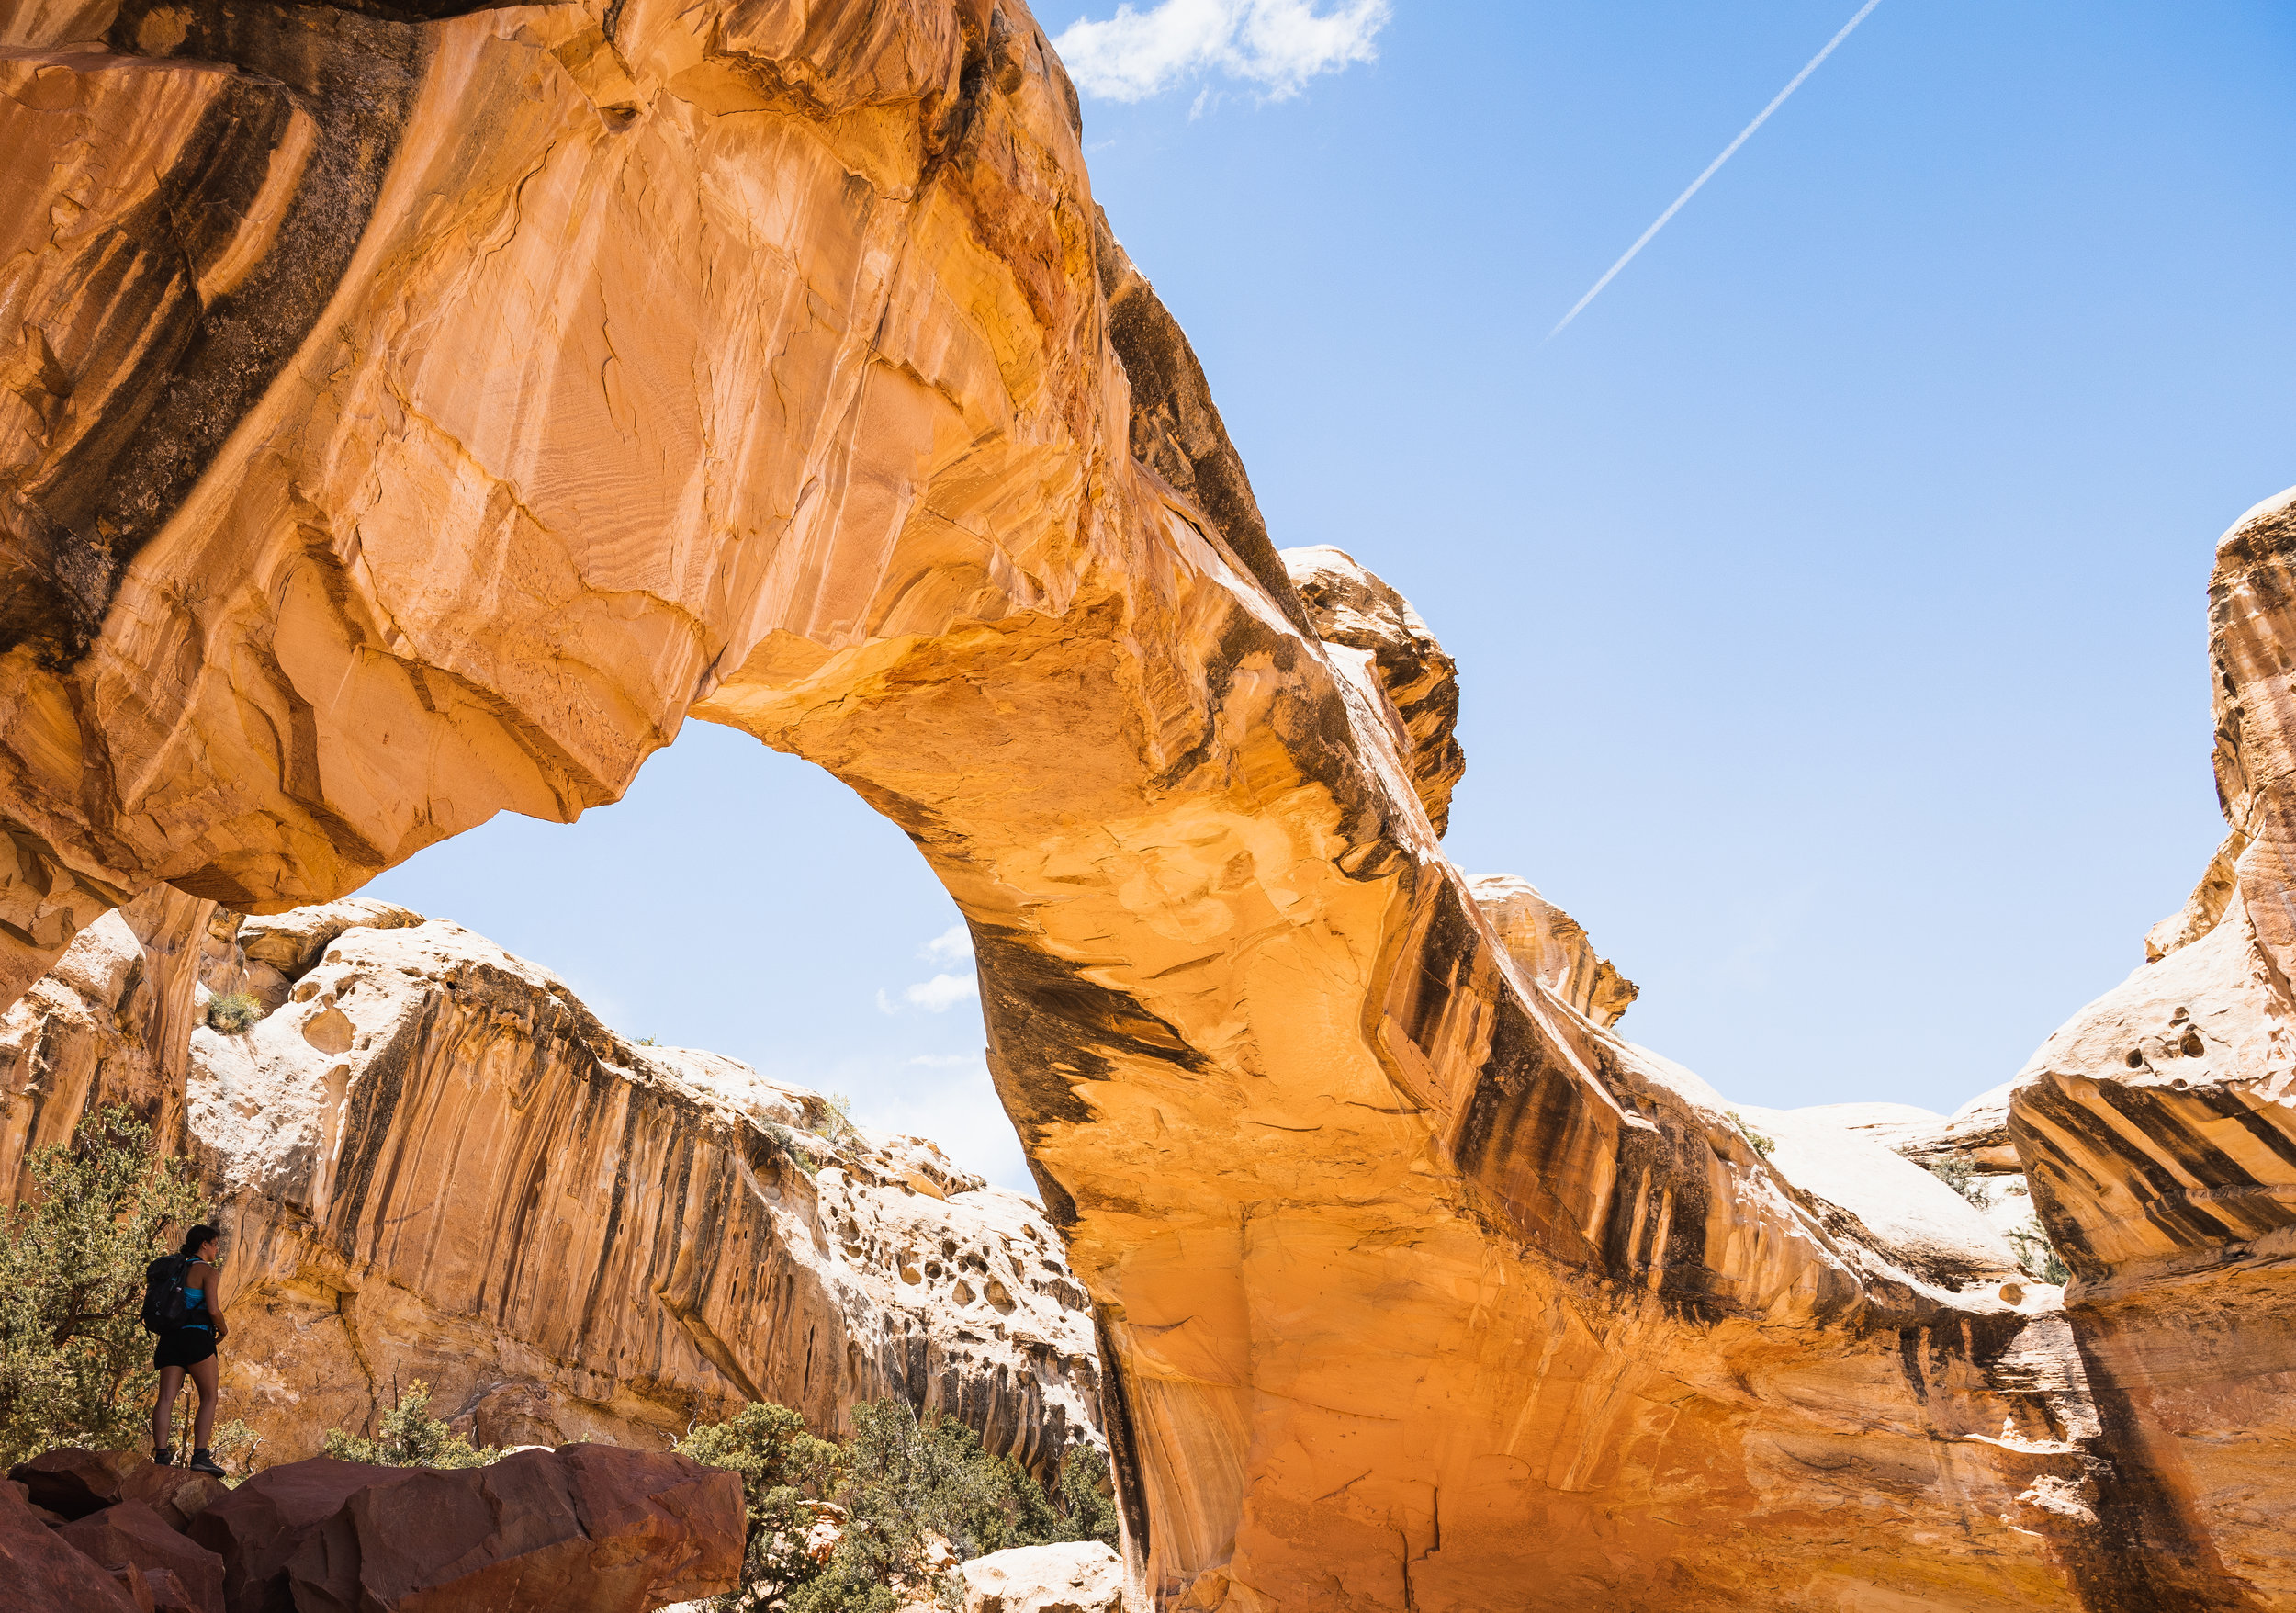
{"points": [[168, 1594], [177, 1493], [72, 1484], [131, 1539], [256, 1527], [588, 1528], [41, 1571]]}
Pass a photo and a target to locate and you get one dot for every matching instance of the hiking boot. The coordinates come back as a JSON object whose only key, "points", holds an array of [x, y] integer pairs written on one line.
{"points": [[201, 1462], [164, 1457]]}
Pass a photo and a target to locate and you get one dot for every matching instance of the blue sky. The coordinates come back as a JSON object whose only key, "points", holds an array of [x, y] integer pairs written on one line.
{"points": [[1830, 597]]}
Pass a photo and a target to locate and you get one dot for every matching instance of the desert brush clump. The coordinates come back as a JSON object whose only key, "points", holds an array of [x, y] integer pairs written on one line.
{"points": [[2037, 1255], [410, 1436], [906, 1493], [74, 1359], [785, 1472], [232, 1013], [1962, 1177], [796, 1153], [1760, 1145]]}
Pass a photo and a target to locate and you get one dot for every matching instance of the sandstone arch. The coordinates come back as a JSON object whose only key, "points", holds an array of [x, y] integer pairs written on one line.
{"points": [[769, 362]]}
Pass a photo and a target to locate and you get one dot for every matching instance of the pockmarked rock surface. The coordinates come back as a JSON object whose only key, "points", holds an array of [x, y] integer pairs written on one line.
{"points": [[415, 417]]}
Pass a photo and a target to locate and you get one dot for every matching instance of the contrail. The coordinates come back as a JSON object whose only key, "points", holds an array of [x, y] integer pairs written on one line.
{"points": [[1760, 119]]}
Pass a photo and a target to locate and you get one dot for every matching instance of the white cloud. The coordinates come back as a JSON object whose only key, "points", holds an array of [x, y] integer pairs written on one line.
{"points": [[944, 990], [960, 1112], [936, 996], [1278, 44], [954, 942]]}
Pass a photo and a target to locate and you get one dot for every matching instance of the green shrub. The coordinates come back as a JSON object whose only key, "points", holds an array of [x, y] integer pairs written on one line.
{"points": [[1760, 1145], [1962, 1177], [232, 1011], [796, 1153], [904, 1482], [1085, 1497], [410, 1436], [782, 1469], [74, 1360], [2037, 1255]]}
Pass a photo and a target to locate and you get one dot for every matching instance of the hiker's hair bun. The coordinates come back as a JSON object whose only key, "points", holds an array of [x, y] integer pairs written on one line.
{"points": [[201, 1233]]}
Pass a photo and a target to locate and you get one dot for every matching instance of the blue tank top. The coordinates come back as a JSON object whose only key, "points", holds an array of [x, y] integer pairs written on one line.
{"points": [[196, 1298]]}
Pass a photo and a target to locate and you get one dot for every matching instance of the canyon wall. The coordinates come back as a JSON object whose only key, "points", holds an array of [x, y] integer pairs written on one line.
{"points": [[2159, 1129], [432, 1163], [419, 416]]}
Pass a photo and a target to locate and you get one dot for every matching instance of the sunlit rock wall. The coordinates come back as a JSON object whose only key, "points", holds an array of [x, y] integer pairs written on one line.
{"points": [[414, 419]]}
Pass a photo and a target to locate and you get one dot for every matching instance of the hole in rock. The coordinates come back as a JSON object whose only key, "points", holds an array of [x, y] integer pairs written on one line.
{"points": [[748, 902]]}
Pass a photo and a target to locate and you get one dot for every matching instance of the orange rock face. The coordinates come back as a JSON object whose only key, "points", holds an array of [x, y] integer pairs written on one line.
{"points": [[771, 364]]}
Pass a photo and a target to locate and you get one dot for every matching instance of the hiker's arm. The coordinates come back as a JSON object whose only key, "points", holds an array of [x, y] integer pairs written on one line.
{"points": [[204, 1277]]}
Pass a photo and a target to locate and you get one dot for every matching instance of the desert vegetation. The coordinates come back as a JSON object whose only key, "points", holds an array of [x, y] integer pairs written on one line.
{"points": [[883, 1517], [74, 1359]]}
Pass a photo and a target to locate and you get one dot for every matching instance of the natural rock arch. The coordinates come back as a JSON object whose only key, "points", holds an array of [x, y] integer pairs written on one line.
{"points": [[771, 364]]}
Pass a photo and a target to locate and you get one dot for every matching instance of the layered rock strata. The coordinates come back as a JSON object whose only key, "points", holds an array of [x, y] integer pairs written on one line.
{"points": [[1551, 947], [2158, 1126], [774, 366], [436, 1164]]}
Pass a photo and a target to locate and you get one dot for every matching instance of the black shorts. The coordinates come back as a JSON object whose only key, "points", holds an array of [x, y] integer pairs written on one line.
{"points": [[186, 1347]]}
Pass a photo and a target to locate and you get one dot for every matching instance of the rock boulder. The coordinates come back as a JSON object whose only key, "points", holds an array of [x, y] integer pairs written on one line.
{"points": [[1078, 1576], [177, 1493], [589, 1529], [132, 1539], [261, 1524], [42, 1573], [73, 1482]]}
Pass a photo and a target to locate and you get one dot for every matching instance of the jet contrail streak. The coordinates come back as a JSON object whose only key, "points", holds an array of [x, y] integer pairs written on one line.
{"points": [[1762, 118]]}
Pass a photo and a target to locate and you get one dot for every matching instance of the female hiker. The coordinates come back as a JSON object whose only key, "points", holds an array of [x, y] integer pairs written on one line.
{"points": [[189, 1347]]}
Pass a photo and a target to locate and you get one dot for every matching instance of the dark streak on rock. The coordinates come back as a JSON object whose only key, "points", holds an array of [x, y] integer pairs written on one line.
{"points": [[2154, 1554], [85, 517]]}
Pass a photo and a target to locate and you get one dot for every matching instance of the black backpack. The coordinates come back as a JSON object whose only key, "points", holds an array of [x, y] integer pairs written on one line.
{"points": [[164, 1307]]}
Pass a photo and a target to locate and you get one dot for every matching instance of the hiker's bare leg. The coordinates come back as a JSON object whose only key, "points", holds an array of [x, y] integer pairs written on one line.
{"points": [[163, 1409], [203, 1374]]}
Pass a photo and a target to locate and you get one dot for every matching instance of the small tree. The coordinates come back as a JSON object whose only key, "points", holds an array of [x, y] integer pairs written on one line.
{"points": [[908, 1483], [1085, 1495], [782, 1469], [410, 1436], [74, 1360]]}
